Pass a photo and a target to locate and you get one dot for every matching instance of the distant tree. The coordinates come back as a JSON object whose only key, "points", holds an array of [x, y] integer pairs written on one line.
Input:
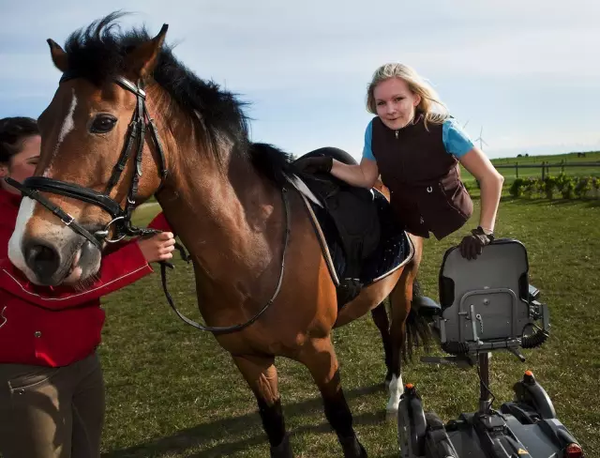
{"points": [[519, 155], [526, 154]]}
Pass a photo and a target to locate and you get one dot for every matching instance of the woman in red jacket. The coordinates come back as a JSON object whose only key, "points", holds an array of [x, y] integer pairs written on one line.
{"points": [[51, 383]]}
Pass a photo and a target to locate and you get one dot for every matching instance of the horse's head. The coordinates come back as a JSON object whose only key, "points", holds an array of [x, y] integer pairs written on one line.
{"points": [[93, 151]]}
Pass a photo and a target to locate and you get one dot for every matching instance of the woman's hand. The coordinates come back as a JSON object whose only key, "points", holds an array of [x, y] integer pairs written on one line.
{"points": [[472, 245], [363, 175], [159, 247], [315, 164]]}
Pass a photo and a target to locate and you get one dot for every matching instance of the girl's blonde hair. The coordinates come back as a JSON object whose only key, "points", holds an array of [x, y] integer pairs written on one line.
{"points": [[430, 100]]}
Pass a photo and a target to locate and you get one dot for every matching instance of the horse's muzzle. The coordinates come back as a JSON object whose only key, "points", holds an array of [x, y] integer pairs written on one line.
{"points": [[42, 259]]}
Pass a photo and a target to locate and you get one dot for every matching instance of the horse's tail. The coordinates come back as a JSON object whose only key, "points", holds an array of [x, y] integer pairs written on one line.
{"points": [[418, 333]]}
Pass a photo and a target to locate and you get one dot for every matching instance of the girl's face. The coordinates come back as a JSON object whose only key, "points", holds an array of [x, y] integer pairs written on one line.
{"points": [[395, 103], [21, 165]]}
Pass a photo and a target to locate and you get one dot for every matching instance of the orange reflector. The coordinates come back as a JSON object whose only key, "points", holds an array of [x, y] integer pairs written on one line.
{"points": [[573, 450], [409, 386], [529, 373]]}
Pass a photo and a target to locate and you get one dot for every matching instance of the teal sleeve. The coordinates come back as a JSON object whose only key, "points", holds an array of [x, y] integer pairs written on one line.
{"points": [[456, 140], [367, 150]]}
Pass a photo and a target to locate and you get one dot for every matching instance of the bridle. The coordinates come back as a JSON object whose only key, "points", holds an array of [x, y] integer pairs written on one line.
{"points": [[121, 217]]}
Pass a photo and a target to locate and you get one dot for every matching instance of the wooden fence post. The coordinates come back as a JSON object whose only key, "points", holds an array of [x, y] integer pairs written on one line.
{"points": [[517, 168], [543, 170]]}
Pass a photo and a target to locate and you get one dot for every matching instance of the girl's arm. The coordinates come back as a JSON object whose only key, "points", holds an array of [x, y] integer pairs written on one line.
{"points": [[363, 175], [477, 163]]}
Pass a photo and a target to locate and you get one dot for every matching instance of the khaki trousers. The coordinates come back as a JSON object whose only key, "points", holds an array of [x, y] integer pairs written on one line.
{"points": [[51, 412]]}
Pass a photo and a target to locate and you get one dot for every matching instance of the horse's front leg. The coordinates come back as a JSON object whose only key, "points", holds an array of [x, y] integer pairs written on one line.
{"points": [[261, 375], [320, 358]]}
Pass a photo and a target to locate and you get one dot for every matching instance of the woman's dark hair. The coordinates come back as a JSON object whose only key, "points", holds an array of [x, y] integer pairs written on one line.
{"points": [[13, 131]]}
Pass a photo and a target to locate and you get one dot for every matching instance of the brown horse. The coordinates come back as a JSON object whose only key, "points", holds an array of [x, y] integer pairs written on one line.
{"points": [[255, 254]]}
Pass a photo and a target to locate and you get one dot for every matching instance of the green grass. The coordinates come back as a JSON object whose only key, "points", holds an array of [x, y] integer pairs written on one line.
{"points": [[173, 392], [511, 173], [590, 156]]}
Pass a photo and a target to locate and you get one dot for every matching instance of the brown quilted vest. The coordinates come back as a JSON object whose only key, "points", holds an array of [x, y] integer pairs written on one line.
{"points": [[427, 194]]}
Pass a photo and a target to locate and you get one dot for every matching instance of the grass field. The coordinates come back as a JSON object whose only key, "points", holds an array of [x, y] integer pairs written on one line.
{"points": [[511, 173], [173, 392], [590, 156]]}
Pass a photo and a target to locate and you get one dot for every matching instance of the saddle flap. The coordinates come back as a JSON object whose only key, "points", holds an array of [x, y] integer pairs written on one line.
{"points": [[354, 215], [360, 239]]}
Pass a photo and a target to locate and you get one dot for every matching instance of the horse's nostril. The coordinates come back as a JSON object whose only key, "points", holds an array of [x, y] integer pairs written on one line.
{"points": [[43, 253], [43, 260]]}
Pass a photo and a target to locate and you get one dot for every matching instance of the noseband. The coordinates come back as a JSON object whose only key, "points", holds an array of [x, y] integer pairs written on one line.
{"points": [[121, 217]]}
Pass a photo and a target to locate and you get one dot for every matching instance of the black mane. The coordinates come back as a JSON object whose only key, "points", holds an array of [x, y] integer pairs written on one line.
{"points": [[99, 51]]}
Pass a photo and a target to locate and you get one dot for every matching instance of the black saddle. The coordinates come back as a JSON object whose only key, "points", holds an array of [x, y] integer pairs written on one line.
{"points": [[361, 239]]}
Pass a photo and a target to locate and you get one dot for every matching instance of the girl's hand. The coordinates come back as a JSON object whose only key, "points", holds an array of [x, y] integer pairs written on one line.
{"points": [[472, 245], [159, 247]]}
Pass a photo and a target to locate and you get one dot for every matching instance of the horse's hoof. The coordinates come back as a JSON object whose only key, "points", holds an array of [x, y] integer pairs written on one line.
{"points": [[352, 448], [283, 450]]}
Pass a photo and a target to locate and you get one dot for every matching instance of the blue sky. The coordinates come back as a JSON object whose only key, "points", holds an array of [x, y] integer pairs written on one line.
{"points": [[528, 72]]}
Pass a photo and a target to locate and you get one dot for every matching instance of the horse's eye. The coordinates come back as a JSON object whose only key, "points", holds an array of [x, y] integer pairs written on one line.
{"points": [[103, 123]]}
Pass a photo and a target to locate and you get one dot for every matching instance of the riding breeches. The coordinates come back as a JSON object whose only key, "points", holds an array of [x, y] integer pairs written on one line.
{"points": [[51, 412]]}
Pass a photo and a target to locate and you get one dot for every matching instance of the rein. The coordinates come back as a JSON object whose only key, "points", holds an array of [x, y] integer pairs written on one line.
{"points": [[121, 217], [237, 327]]}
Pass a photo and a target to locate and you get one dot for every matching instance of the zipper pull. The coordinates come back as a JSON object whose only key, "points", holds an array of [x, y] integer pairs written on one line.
{"points": [[396, 133]]}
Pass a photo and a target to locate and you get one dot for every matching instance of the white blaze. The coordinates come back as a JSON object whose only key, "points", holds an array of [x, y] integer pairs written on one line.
{"points": [[67, 126], [15, 248], [15, 252], [68, 122]]}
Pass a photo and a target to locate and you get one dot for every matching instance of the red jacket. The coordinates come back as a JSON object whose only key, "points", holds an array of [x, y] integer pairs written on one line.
{"points": [[57, 326]]}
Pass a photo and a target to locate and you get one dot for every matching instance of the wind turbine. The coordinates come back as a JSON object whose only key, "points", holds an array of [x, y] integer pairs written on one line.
{"points": [[465, 124], [481, 140]]}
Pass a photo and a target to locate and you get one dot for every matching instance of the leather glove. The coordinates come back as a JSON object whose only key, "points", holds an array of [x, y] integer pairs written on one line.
{"points": [[315, 164], [472, 245]]}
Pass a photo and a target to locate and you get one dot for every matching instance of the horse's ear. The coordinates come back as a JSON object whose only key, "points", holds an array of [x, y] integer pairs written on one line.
{"points": [[59, 56], [143, 58]]}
